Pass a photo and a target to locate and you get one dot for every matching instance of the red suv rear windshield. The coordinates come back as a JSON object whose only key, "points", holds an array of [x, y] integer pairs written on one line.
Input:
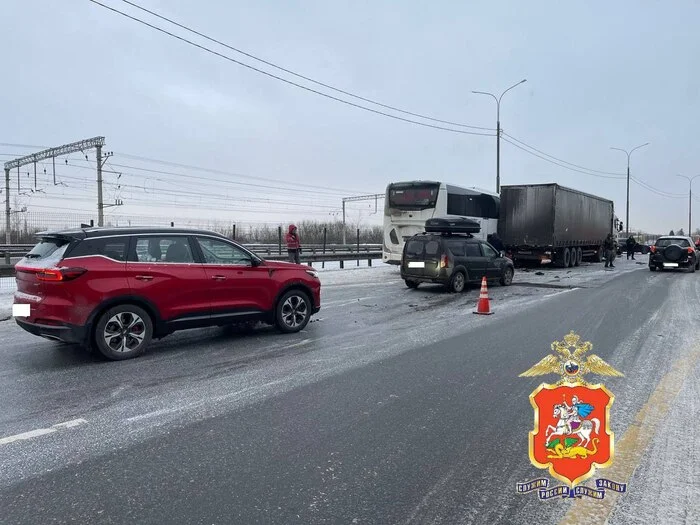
{"points": [[48, 249]]}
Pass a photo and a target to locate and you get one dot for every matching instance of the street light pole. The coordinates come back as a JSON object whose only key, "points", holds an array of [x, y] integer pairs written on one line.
{"points": [[627, 208], [498, 129], [690, 201]]}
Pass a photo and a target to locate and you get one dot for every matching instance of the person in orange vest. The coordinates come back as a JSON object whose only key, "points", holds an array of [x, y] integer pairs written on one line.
{"points": [[293, 244]]}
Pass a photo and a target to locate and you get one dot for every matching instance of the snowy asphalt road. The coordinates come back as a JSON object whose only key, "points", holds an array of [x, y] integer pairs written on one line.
{"points": [[396, 406]]}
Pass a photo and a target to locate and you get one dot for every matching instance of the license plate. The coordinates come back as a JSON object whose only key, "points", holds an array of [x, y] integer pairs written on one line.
{"points": [[416, 264], [671, 265], [21, 310]]}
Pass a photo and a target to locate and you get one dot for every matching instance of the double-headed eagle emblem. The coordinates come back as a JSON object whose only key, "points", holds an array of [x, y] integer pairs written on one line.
{"points": [[570, 365]]}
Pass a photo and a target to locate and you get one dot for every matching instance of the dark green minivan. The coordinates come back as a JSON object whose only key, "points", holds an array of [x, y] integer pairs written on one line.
{"points": [[453, 260]]}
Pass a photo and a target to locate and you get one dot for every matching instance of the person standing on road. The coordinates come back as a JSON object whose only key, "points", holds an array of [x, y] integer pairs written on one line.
{"points": [[494, 240], [293, 244], [631, 244], [609, 247]]}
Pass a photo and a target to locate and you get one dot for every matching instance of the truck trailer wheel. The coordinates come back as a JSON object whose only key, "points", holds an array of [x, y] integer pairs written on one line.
{"points": [[566, 257], [599, 254], [579, 257]]}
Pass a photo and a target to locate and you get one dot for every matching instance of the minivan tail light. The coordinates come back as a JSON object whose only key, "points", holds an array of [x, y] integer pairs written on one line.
{"points": [[59, 274], [443, 261]]}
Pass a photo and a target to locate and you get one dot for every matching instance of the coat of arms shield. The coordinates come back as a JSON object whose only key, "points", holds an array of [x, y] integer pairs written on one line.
{"points": [[571, 435]]}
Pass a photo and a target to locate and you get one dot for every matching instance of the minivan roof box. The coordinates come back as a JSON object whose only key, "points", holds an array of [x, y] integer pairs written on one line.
{"points": [[452, 225]]}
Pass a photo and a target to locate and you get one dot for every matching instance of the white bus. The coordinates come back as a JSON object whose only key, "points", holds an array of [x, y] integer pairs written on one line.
{"points": [[409, 204]]}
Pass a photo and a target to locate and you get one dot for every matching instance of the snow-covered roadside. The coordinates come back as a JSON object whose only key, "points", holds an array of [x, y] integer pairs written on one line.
{"points": [[7, 290]]}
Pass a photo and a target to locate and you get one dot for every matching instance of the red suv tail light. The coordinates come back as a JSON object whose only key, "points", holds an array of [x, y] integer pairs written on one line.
{"points": [[691, 249], [652, 249], [59, 274], [444, 261]]}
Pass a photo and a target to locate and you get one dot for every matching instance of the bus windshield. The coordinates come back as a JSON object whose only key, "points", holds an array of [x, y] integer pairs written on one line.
{"points": [[414, 196]]}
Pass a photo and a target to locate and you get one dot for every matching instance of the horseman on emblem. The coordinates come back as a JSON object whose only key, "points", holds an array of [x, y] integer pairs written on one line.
{"points": [[570, 422]]}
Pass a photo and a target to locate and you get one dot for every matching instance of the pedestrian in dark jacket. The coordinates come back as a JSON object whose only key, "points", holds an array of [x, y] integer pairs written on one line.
{"points": [[293, 244], [494, 240], [609, 247], [631, 244]]}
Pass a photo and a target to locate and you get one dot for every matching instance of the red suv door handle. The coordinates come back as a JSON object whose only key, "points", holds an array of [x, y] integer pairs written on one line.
{"points": [[144, 277], [218, 277]]}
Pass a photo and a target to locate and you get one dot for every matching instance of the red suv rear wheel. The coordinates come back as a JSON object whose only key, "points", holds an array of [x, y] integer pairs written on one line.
{"points": [[123, 332]]}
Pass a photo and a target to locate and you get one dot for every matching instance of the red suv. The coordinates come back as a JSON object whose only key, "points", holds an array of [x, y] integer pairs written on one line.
{"points": [[115, 289]]}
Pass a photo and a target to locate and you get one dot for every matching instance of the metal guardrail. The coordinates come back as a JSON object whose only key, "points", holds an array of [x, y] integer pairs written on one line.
{"points": [[9, 251], [8, 270]]}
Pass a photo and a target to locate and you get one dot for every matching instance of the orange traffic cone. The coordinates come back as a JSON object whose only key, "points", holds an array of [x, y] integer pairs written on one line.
{"points": [[483, 307]]}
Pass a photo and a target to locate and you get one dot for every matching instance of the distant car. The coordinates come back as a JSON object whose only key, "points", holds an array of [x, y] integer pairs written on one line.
{"points": [[638, 248], [453, 260], [114, 289], [673, 252]]}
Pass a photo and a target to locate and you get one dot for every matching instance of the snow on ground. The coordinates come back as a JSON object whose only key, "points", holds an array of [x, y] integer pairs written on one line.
{"points": [[7, 290]]}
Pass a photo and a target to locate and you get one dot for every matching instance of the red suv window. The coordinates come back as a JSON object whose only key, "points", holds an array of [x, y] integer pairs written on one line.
{"points": [[111, 247], [220, 252], [166, 249]]}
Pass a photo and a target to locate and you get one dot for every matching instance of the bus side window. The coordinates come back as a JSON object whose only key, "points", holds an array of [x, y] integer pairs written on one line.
{"points": [[456, 204]]}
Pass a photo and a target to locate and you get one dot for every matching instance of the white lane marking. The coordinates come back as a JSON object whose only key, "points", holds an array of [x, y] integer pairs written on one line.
{"points": [[300, 343], [69, 424], [152, 414], [42, 431], [348, 303], [358, 285], [341, 302], [560, 292]]}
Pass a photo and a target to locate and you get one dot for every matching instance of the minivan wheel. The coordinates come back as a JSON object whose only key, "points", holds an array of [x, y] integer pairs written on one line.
{"points": [[507, 277], [123, 332], [293, 312], [457, 282], [411, 284]]}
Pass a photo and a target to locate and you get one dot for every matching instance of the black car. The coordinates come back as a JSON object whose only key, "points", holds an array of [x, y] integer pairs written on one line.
{"points": [[674, 252], [452, 260], [638, 248]]}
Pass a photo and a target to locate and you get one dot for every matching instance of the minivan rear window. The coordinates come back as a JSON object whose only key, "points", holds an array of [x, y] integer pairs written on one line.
{"points": [[416, 247]]}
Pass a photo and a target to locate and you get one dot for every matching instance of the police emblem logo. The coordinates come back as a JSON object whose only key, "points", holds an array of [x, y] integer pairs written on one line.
{"points": [[571, 435]]}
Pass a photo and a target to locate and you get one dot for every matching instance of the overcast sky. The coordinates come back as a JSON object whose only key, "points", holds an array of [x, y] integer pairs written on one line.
{"points": [[599, 74]]}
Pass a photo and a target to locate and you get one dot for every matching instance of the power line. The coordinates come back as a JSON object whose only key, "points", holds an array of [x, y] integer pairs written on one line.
{"points": [[559, 163], [248, 184], [618, 175], [657, 191], [248, 66], [220, 172], [249, 55]]}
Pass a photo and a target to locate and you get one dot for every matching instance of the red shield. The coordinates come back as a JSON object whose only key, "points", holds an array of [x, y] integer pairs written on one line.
{"points": [[572, 431]]}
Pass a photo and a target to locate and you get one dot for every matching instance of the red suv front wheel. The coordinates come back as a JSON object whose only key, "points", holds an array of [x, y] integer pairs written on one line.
{"points": [[293, 311]]}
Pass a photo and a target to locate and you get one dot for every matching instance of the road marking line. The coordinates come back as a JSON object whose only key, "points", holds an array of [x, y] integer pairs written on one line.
{"points": [[155, 413], [42, 431], [69, 424], [630, 449], [300, 343]]}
